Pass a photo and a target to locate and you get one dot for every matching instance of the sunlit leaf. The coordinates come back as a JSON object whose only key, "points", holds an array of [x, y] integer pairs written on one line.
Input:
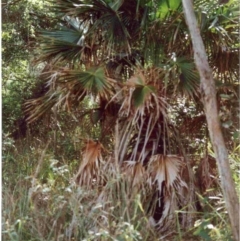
{"points": [[167, 5]]}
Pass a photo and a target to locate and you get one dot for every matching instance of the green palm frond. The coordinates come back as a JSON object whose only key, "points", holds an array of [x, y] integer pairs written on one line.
{"points": [[189, 79], [144, 93], [141, 94], [63, 45], [66, 35], [103, 19], [93, 80], [70, 87]]}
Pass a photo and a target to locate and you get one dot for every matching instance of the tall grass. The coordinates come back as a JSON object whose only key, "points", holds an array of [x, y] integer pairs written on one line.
{"points": [[41, 201]]}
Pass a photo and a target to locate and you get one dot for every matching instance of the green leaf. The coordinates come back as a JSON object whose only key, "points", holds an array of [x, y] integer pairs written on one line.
{"points": [[165, 6], [203, 234], [236, 135], [202, 231], [141, 93]]}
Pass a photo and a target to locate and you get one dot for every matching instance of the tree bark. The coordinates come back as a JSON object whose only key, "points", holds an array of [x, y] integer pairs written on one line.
{"points": [[208, 90]]}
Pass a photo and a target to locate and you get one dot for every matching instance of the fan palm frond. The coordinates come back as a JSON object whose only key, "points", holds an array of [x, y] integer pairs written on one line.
{"points": [[89, 169], [103, 18], [144, 94], [67, 87], [165, 169], [164, 173], [135, 173], [92, 80], [189, 81], [63, 45]]}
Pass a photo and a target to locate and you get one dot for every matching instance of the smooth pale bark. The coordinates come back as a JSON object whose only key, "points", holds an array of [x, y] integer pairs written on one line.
{"points": [[208, 90]]}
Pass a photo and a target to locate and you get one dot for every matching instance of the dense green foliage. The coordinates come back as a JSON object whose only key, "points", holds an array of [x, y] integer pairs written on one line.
{"points": [[102, 115], [21, 22]]}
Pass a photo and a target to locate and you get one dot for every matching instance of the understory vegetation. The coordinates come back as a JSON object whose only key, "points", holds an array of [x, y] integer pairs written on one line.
{"points": [[104, 131], [41, 200]]}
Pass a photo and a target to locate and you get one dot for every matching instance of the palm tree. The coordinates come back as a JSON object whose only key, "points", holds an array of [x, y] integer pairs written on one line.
{"points": [[135, 59]]}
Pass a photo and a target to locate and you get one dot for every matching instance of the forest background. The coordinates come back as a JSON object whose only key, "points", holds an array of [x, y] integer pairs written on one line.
{"points": [[104, 130]]}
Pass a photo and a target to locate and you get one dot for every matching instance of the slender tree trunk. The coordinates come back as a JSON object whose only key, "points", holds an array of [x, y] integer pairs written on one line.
{"points": [[208, 90]]}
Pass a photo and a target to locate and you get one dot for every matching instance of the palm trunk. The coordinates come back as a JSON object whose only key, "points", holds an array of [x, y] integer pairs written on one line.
{"points": [[210, 105]]}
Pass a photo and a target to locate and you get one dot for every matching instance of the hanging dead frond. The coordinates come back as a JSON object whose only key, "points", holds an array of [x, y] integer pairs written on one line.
{"points": [[164, 174], [135, 173], [89, 171], [165, 169]]}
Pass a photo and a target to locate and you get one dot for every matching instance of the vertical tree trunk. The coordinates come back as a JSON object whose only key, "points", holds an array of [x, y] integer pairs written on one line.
{"points": [[210, 105]]}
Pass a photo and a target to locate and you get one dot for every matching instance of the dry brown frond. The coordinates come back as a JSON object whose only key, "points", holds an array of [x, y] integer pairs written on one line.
{"points": [[165, 169], [164, 174], [135, 173], [89, 170]]}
